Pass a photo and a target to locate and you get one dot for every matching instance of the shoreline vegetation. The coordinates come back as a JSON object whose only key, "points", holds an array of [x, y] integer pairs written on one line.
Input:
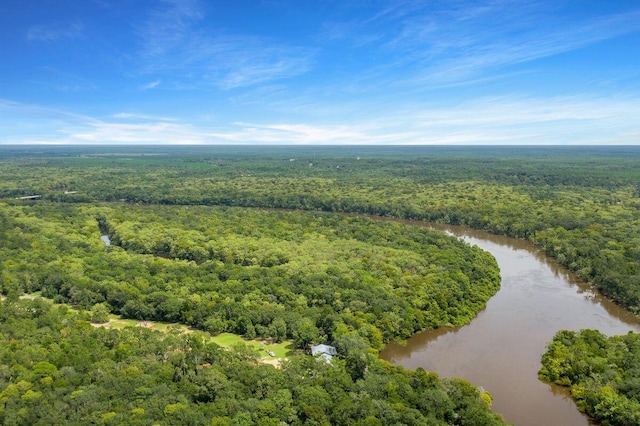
{"points": [[58, 369], [579, 205], [602, 373], [306, 277]]}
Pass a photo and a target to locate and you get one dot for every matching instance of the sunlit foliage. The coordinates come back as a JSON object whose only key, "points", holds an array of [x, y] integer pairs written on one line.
{"points": [[603, 373]]}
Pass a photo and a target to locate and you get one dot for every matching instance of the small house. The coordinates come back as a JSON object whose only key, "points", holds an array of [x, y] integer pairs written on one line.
{"points": [[325, 351]]}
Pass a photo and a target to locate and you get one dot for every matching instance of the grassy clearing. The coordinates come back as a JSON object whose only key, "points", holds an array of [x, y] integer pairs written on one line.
{"points": [[279, 350], [115, 321], [263, 348]]}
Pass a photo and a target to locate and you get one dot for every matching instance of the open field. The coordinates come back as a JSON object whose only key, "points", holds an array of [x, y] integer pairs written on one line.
{"points": [[226, 340]]}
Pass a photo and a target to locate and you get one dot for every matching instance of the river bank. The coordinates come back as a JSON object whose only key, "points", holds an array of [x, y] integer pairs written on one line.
{"points": [[500, 350]]}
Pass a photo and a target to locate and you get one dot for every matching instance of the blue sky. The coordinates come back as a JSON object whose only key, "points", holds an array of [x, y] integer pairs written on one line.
{"points": [[319, 72]]}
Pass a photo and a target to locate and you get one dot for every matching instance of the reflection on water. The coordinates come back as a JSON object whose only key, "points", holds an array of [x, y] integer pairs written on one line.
{"points": [[501, 349], [105, 239]]}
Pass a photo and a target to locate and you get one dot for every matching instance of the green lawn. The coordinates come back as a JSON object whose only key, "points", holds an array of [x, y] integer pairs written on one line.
{"points": [[280, 350], [115, 321]]}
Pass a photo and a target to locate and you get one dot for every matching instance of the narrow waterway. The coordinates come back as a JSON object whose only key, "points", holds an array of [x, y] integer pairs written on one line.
{"points": [[501, 349]]}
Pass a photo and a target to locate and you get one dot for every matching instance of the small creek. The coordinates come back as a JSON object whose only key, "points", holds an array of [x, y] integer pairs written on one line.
{"points": [[501, 349]]}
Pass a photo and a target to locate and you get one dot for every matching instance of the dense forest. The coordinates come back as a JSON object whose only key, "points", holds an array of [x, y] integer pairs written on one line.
{"points": [[204, 236], [309, 277], [603, 373], [580, 205], [55, 368]]}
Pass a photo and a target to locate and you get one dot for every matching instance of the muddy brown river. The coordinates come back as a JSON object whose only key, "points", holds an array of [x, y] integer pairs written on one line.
{"points": [[501, 349]]}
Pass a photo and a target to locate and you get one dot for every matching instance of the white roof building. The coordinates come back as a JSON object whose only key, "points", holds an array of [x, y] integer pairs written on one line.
{"points": [[325, 351]]}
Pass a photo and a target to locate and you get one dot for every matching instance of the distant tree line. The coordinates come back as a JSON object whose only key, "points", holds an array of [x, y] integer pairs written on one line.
{"points": [[581, 206]]}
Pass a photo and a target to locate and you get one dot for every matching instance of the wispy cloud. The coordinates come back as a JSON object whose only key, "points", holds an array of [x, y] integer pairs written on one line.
{"points": [[472, 57], [303, 134], [53, 33], [174, 45], [101, 132], [36, 124], [29, 111], [436, 44], [141, 117], [488, 120], [169, 26], [554, 120], [151, 85]]}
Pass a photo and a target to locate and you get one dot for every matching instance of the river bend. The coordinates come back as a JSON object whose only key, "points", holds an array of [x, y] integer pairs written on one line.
{"points": [[501, 349]]}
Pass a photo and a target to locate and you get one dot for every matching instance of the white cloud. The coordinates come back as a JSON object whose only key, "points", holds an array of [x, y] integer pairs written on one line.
{"points": [[554, 120], [100, 132], [299, 134], [174, 46], [27, 123], [151, 85], [436, 44], [141, 117], [489, 120], [475, 56]]}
